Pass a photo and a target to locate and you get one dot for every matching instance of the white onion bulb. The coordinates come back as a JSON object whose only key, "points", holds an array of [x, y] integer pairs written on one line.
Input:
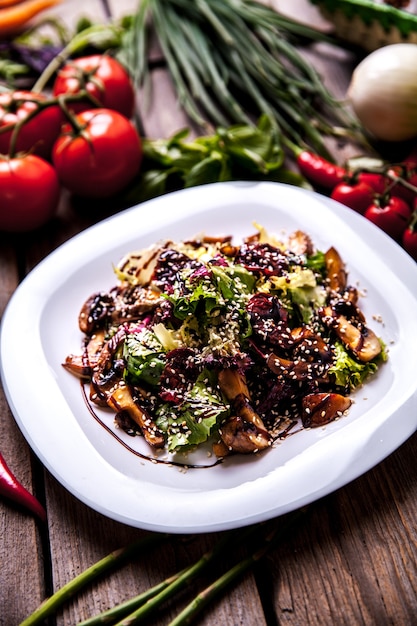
{"points": [[383, 92]]}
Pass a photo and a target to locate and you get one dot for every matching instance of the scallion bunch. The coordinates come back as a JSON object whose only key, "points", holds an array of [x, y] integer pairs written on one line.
{"points": [[232, 61]]}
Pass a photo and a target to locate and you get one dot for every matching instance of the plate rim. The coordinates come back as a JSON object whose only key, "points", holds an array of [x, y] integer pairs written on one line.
{"points": [[397, 257]]}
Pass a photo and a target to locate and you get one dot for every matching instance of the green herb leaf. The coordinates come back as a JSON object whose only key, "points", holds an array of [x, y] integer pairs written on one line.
{"points": [[196, 418]]}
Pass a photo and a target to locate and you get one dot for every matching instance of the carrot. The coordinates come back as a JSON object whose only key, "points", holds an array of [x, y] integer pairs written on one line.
{"points": [[9, 3], [14, 18], [12, 489]]}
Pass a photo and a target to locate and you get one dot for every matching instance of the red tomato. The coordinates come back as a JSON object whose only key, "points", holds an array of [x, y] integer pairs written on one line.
{"points": [[409, 241], [38, 134], [102, 158], [391, 217], [29, 192], [377, 182], [103, 77], [357, 196]]}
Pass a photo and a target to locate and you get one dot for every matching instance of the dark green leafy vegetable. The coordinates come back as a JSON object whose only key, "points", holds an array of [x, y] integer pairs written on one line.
{"points": [[349, 372], [143, 357], [239, 152]]}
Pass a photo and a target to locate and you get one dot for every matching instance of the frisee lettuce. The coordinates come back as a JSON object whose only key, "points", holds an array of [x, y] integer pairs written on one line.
{"points": [[299, 291]]}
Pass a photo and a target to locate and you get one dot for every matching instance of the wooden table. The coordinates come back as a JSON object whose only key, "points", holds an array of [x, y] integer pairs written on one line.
{"points": [[351, 560]]}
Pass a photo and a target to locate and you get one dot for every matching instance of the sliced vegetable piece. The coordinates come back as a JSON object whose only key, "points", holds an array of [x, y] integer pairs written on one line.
{"points": [[243, 437], [121, 400], [234, 386], [319, 409], [81, 365], [244, 432], [336, 271], [360, 339]]}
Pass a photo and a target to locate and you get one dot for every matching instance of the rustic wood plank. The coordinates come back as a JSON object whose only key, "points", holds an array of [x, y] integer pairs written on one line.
{"points": [[87, 536], [354, 559], [21, 560], [21, 573]]}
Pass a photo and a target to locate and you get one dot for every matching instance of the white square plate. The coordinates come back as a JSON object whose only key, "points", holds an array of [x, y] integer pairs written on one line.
{"points": [[40, 328]]}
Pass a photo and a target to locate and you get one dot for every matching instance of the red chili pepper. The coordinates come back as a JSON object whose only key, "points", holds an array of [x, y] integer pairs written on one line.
{"points": [[319, 171], [12, 489]]}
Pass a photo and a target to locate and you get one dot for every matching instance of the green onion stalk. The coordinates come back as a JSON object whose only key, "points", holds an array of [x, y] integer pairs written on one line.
{"points": [[232, 61], [108, 563], [262, 538]]}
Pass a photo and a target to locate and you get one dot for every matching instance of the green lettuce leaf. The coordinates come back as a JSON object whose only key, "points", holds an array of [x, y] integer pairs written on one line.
{"points": [[348, 372], [196, 418], [144, 356]]}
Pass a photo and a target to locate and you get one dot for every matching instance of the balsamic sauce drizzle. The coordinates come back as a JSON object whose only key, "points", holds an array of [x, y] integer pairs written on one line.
{"points": [[151, 459]]}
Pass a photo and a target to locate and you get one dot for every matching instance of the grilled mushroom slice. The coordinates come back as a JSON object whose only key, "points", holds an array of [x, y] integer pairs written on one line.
{"points": [[109, 386], [131, 302], [360, 339], [300, 243], [121, 400], [322, 408], [233, 385], [140, 266], [310, 345], [95, 311], [126, 303], [81, 365], [336, 271], [296, 370], [245, 431], [243, 437]]}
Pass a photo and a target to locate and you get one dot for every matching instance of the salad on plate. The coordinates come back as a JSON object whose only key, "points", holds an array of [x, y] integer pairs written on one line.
{"points": [[208, 341]]}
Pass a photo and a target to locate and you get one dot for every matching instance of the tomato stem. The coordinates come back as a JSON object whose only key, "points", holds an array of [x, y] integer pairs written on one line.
{"points": [[400, 180], [61, 101], [97, 32]]}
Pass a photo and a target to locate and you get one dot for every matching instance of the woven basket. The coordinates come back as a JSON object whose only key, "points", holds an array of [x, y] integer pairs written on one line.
{"points": [[369, 25]]}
